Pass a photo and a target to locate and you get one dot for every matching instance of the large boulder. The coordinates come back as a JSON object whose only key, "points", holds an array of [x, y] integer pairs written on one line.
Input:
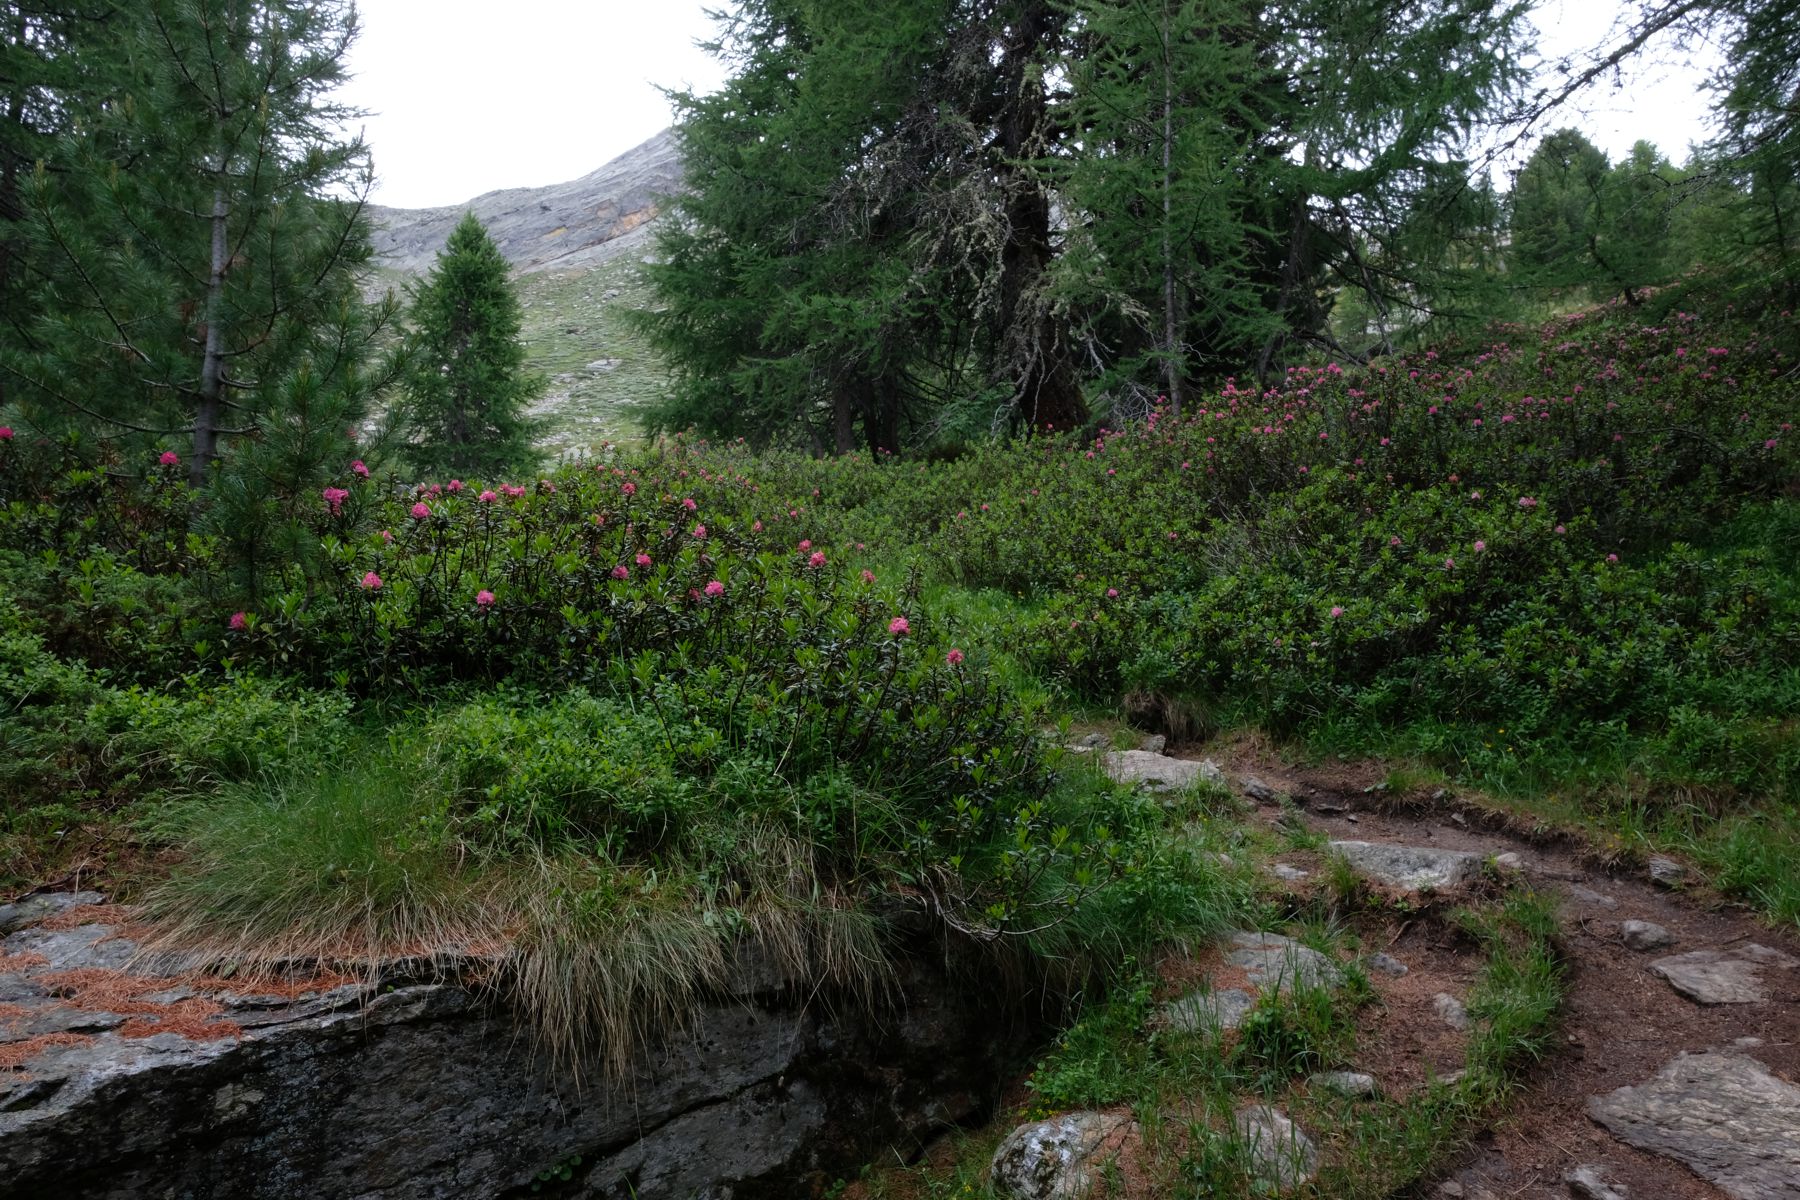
{"points": [[1058, 1159], [117, 1082]]}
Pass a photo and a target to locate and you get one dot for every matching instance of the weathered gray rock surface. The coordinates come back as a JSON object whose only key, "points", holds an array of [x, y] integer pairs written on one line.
{"points": [[1450, 1010], [1269, 963], [1058, 1159], [1731, 975], [118, 1084], [568, 224], [1589, 1182], [1159, 772], [1354, 1084], [1282, 1156], [1414, 868], [1644, 935], [1725, 1116]]}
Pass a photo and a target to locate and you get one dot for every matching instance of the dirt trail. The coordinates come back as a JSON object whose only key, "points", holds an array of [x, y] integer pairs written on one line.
{"points": [[1621, 1023]]}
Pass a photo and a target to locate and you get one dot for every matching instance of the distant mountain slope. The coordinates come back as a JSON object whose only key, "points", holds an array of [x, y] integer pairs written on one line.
{"points": [[564, 225], [576, 248]]}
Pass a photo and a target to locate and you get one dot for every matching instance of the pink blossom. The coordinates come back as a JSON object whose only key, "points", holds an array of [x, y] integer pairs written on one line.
{"points": [[621, 572], [1612, 558], [238, 620], [456, 485], [628, 488], [700, 532], [371, 582], [643, 560], [805, 545], [6, 433], [420, 511], [899, 627], [817, 559], [1527, 502], [868, 577], [1337, 610], [1561, 529], [168, 458], [756, 527], [359, 469], [1480, 546], [334, 498], [1449, 563], [387, 535], [689, 504], [715, 588], [487, 496], [954, 658], [484, 598], [1112, 593]]}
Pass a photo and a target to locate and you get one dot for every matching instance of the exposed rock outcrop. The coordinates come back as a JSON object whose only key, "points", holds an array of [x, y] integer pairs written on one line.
{"points": [[118, 1083]]}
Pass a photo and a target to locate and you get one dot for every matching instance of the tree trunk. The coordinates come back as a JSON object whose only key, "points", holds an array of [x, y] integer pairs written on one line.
{"points": [[1032, 355], [1172, 364], [843, 423], [212, 364]]}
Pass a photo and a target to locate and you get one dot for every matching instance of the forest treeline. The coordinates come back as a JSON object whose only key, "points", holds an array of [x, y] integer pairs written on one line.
{"points": [[930, 219]]}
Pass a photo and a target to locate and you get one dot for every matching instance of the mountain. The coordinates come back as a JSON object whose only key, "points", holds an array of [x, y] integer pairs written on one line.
{"points": [[564, 225], [575, 249]]}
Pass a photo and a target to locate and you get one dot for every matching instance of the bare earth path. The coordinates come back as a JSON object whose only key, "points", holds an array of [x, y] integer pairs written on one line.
{"points": [[1623, 1023]]}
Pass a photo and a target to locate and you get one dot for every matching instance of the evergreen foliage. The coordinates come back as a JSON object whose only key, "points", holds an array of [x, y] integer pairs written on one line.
{"points": [[466, 382]]}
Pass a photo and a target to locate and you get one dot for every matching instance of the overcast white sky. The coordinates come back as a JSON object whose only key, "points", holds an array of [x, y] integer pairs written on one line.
{"points": [[467, 96]]}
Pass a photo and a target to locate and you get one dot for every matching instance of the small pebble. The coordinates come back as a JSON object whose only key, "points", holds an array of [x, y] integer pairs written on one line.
{"points": [[1666, 872], [1451, 1010]]}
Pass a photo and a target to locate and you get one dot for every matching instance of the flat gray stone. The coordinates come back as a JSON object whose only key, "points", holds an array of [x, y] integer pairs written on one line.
{"points": [[1353, 1084], [1209, 1012], [1160, 773], [1289, 874], [1387, 964], [1590, 896], [1725, 1116], [1282, 1157], [1257, 790], [1057, 1159], [1451, 1010], [1589, 1182], [1414, 868], [1731, 975], [1666, 872], [33, 909], [1644, 935]]}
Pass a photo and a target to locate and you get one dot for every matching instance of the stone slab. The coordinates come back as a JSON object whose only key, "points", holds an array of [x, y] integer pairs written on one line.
{"points": [[1413, 868], [1726, 975]]}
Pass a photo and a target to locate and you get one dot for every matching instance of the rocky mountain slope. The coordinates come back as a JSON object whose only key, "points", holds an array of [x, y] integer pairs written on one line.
{"points": [[565, 225], [575, 247]]}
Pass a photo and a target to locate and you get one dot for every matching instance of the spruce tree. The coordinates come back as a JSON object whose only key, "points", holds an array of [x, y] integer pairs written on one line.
{"points": [[467, 385]]}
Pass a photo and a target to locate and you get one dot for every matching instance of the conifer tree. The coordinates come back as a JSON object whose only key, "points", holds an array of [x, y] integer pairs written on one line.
{"points": [[467, 385]]}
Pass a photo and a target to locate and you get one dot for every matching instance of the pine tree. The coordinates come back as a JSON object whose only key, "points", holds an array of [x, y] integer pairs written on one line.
{"points": [[467, 385], [201, 264]]}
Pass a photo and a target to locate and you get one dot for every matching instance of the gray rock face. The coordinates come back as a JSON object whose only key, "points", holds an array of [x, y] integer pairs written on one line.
{"points": [[1451, 1010], [1725, 1116], [568, 224], [1644, 935], [1058, 1159], [1269, 962], [1733, 975], [1353, 1084], [121, 1085], [1666, 872], [1155, 744], [1282, 1156], [1160, 773], [1414, 868], [1590, 1183], [33, 909]]}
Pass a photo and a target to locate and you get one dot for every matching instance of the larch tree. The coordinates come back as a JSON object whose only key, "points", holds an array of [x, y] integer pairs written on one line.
{"points": [[468, 388]]}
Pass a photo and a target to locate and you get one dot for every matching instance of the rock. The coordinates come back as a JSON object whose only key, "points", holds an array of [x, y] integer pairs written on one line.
{"points": [[413, 1088], [1257, 790], [1387, 964], [1451, 1190], [1725, 1116], [1093, 741], [1154, 744], [1666, 872], [1209, 1011], [1644, 935], [1058, 1159], [1282, 1157], [1353, 1084], [1732, 975], [33, 909], [1589, 1183], [1451, 1010], [1269, 962], [1590, 896], [1289, 874], [1414, 868], [1509, 861], [1161, 773]]}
